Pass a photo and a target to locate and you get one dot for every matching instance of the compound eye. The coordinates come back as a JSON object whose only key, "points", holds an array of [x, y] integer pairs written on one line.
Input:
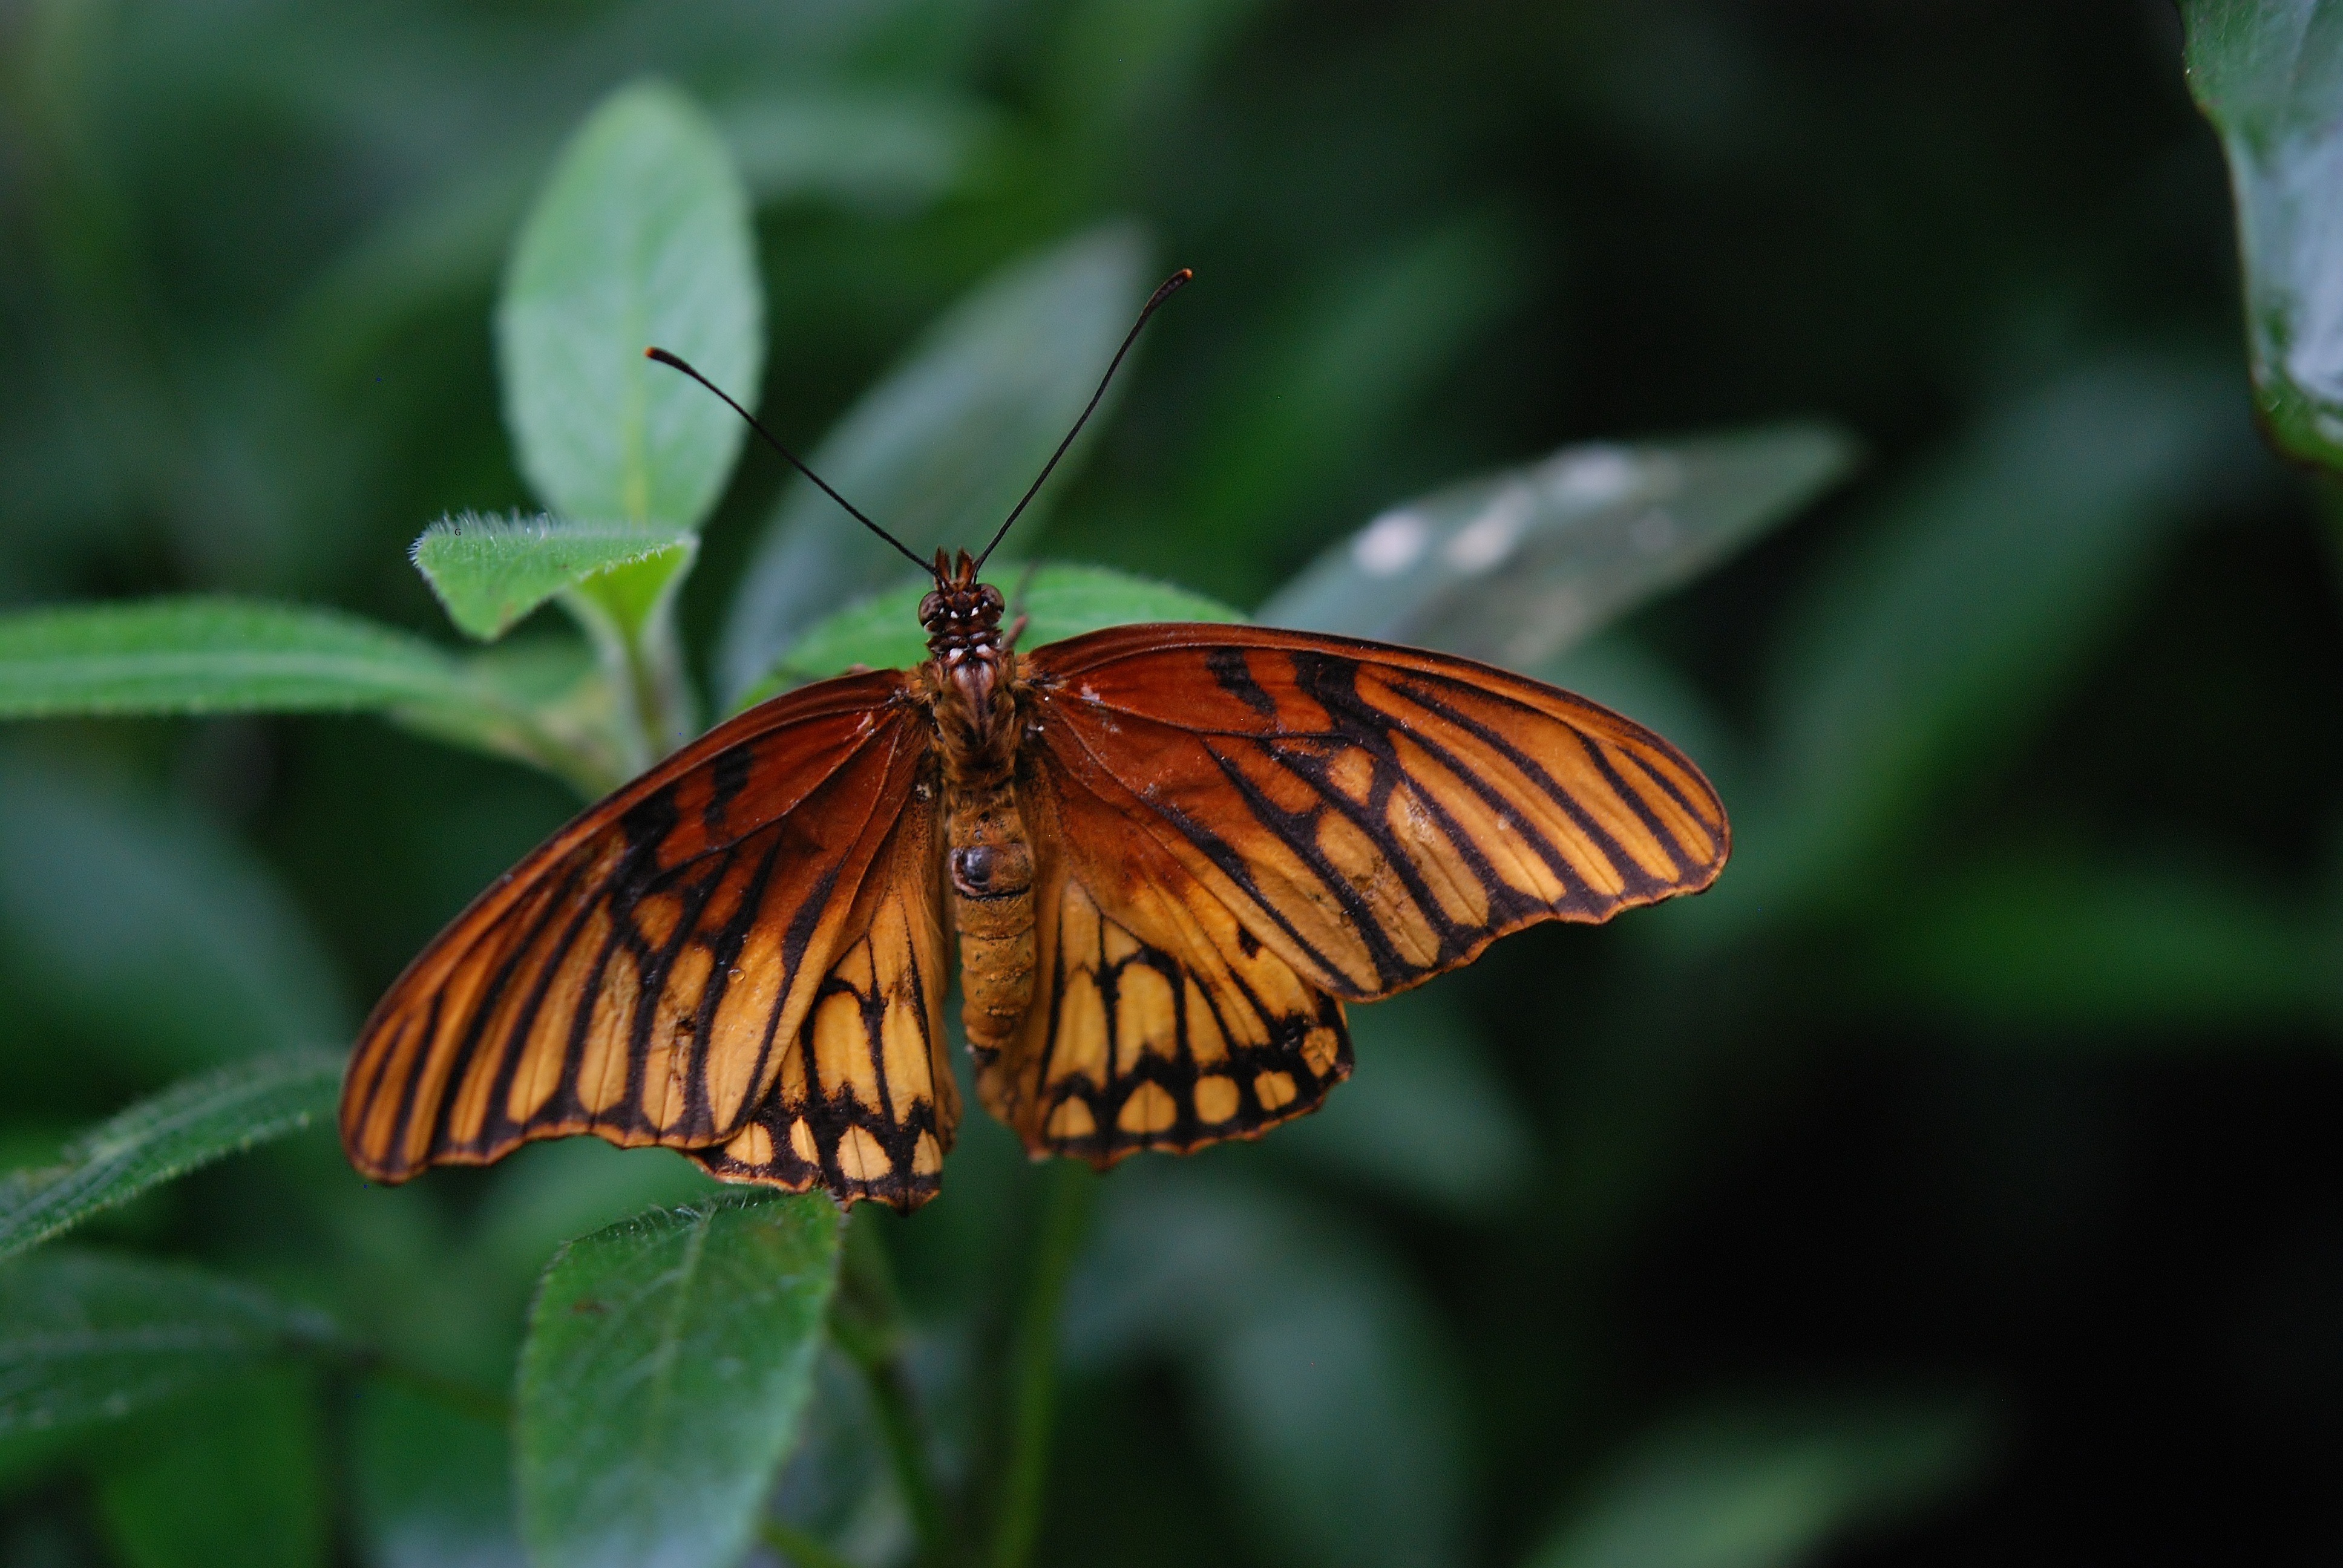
{"points": [[990, 599], [929, 608]]}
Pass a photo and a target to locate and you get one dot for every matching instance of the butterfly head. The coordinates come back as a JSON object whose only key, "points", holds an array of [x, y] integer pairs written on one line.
{"points": [[962, 615]]}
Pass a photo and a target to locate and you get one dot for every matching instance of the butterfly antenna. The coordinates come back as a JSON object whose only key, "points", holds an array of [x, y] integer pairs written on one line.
{"points": [[1172, 285], [676, 362]]}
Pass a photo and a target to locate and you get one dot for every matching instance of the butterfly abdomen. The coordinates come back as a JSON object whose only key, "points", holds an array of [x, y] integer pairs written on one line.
{"points": [[991, 866]]}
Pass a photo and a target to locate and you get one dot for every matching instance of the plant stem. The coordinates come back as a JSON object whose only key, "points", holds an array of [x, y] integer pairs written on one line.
{"points": [[797, 1546], [1065, 1218], [663, 693], [865, 1322], [631, 625]]}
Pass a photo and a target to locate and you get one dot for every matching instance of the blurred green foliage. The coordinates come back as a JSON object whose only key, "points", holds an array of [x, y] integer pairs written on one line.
{"points": [[1954, 1180]]}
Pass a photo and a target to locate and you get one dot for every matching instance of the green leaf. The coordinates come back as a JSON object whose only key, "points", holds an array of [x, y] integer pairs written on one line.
{"points": [[86, 1338], [555, 1191], [214, 655], [162, 1139], [490, 571], [1519, 567], [205, 655], [547, 701], [2268, 75], [667, 1362], [941, 450], [641, 238], [232, 1474], [162, 937], [883, 631], [1769, 1487]]}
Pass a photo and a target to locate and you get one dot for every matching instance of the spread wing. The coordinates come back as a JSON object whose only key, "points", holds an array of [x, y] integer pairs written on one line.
{"points": [[866, 1104], [1371, 815], [645, 973], [1235, 826]]}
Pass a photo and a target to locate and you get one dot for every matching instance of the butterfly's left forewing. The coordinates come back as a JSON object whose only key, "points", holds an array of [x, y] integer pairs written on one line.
{"points": [[1376, 814]]}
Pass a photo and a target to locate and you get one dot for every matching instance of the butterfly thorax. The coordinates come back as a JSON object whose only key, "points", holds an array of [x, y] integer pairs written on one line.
{"points": [[971, 688], [970, 675]]}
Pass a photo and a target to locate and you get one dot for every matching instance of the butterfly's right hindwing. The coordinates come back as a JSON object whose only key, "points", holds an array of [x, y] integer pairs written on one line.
{"points": [[866, 1104], [643, 974]]}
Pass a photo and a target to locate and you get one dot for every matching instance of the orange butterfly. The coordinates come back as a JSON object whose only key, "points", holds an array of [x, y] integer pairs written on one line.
{"points": [[1170, 852]]}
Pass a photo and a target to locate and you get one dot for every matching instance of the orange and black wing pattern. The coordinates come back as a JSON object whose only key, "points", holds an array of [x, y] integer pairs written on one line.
{"points": [[643, 975], [1158, 1021], [1372, 815], [866, 1104]]}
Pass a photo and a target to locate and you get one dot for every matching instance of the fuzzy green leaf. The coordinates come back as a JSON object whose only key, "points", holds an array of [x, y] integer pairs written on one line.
{"points": [[668, 1361], [86, 1338], [183, 1128], [490, 571], [641, 238], [941, 450], [215, 655], [2268, 75], [883, 631], [1516, 568]]}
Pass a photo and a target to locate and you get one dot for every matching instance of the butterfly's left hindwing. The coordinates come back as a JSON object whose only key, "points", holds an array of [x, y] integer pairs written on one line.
{"points": [[1157, 1022]]}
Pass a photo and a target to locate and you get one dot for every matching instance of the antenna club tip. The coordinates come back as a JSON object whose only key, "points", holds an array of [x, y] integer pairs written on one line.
{"points": [[1169, 286]]}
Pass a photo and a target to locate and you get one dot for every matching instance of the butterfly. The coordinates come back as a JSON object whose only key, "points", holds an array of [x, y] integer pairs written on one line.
{"points": [[1168, 855]]}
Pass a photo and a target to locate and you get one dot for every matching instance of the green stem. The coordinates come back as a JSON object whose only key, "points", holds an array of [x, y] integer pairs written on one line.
{"points": [[662, 690], [798, 1547], [1033, 1394], [641, 657], [865, 1324]]}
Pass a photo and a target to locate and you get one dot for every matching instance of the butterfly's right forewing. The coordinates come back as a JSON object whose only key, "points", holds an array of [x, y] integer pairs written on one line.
{"points": [[866, 1104], [641, 976]]}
